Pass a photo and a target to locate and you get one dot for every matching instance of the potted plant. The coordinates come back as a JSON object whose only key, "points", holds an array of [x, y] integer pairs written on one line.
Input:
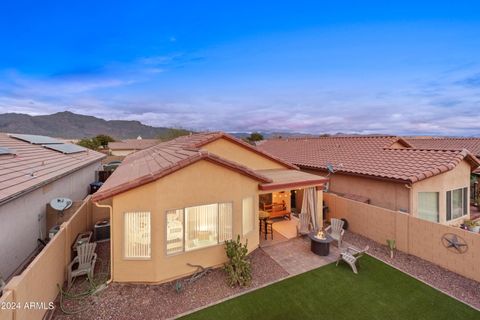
{"points": [[473, 226]]}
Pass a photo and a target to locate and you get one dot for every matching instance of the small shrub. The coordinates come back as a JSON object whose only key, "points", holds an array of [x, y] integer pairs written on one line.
{"points": [[238, 269]]}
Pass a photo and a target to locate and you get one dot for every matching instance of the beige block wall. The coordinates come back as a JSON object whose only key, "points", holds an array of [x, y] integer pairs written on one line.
{"points": [[382, 193], [233, 152], [457, 178], [200, 183], [38, 282], [414, 236]]}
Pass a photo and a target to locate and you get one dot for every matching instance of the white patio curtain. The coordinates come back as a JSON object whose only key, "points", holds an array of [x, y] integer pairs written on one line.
{"points": [[309, 205]]}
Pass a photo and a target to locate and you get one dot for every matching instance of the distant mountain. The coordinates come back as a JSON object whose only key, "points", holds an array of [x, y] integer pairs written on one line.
{"points": [[69, 125]]}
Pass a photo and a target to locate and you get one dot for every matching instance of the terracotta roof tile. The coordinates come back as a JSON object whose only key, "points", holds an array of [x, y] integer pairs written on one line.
{"points": [[367, 155], [34, 166], [167, 157]]}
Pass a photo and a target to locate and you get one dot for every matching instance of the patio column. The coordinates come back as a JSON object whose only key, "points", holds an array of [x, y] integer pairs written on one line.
{"points": [[319, 190]]}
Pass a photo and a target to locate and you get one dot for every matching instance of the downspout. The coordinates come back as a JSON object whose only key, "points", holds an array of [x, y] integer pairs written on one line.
{"points": [[110, 210]]}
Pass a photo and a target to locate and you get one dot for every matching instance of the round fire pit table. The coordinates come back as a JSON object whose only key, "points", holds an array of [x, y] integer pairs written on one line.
{"points": [[319, 246]]}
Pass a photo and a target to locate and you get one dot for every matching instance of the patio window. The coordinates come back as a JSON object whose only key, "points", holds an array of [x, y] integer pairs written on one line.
{"points": [[137, 235], [457, 203], [248, 215], [198, 227], [428, 206]]}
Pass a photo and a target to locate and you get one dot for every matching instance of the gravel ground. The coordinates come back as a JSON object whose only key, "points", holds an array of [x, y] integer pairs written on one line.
{"points": [[462, 288], [137, 301]]}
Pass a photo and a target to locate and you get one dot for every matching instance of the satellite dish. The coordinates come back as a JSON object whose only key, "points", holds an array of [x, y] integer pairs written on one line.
{"points": [[330, 168], [61, 204]]}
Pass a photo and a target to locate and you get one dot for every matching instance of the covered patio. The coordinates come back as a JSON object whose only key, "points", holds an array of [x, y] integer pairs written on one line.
{"points": [[290, 193]]}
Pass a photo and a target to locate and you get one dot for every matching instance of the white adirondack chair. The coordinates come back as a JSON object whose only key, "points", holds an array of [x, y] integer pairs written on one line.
{"points": [[86, 258], [351, 256], [304, 225], [335, 229]]}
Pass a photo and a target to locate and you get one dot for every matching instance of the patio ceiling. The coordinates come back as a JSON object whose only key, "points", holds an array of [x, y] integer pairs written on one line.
{"points": [[288, 178]]}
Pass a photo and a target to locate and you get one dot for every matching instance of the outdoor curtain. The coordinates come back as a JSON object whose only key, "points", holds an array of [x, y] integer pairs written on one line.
{"points": [[309, 205]]}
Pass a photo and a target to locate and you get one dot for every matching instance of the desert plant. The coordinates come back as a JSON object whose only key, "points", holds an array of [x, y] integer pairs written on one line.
{"points": [[238, 268], [391, 245]]}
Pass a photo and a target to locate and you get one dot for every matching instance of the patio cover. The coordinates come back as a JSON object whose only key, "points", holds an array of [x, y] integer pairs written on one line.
{"points": [[289, 178]]}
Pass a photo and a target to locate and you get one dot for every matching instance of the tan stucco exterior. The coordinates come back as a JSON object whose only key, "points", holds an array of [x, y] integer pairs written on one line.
{"points": [[457, 178], [200, 183], [242, 155], [382, 193]]}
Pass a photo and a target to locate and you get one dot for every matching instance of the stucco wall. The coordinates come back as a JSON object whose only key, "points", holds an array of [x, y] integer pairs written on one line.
{"points": [[385, 194], [457, 178], [23, 220], [236, 153], [200, 183]]}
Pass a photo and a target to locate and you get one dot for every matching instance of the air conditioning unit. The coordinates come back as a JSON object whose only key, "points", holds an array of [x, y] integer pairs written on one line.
{"points": [[101, 230]]}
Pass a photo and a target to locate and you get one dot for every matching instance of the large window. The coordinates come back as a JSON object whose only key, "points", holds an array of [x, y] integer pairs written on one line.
{"points": [[428, 206], [457, 203], [137, 235], [248, 215], [198, 227]]}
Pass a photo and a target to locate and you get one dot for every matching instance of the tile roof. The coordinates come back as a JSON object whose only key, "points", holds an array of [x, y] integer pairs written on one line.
{"points": [[471, 144], [288, 178], [133, 144], [167, 157], [368, 155], [33, 166]]}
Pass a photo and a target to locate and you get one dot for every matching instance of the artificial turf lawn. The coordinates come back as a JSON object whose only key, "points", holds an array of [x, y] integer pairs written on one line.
{"points": [[377, 292]]}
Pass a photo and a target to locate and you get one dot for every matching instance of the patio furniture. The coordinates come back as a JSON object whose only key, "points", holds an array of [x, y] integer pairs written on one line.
{"points": [[84, 261], [83, 237], [262, 217], [351, 256], [336, 230], [304, 225], [320, 246], [277, 210], [268, 228]]}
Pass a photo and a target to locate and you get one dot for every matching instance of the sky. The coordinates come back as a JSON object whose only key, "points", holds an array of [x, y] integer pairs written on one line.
{"points": [[408, 67]]}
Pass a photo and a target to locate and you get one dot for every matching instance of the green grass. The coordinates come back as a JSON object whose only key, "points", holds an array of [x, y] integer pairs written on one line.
{"points": [[377, 292]]}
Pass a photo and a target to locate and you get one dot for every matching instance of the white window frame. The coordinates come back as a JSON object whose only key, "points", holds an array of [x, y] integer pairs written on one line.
{"points": [[438, 205], [125, 238], [246, 231], [463, 207], [184, 248]]}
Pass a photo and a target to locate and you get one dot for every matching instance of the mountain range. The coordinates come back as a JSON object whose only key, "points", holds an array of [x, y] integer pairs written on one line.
{"points": [[69, 125]]}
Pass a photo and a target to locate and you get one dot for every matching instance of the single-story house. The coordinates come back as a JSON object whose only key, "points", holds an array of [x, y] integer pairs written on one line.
{"points": [[387, 171], [33, 171], [128, 146], [179, 201]]}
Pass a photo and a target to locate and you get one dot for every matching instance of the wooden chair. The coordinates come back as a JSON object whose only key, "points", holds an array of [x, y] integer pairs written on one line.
{"points": [[351, 256], [85, 259], [268, 228], [304, 225], [335, 229]]}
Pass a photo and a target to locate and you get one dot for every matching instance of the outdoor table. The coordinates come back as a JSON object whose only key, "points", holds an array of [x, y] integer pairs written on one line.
{"points": [[319, 246]]}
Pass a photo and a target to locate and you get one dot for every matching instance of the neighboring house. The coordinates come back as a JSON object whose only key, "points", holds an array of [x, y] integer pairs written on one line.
{"points": [[179, 201], [128, 146], [33, 171], [388, 172]]}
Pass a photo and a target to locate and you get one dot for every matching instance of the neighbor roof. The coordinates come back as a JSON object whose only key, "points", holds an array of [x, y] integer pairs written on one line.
{"points": [[167, 157], [33, 165], [133, 144], [471, 144], [369, 156]]}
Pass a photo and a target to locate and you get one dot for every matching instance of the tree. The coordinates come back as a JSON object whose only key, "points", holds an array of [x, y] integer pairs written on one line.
{"points": [[173, 133], [254, 137], [89, 143], [104, 139]]}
